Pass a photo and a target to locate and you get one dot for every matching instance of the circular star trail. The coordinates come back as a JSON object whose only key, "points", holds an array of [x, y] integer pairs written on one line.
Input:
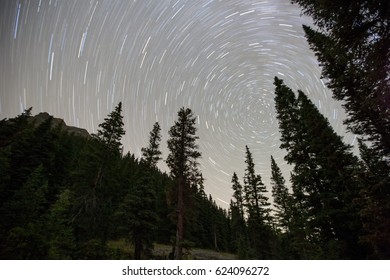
{"points": [[78, 59]]}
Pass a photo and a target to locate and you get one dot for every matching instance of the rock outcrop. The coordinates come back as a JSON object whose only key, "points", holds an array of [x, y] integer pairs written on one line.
{"points": [[57, 122]]}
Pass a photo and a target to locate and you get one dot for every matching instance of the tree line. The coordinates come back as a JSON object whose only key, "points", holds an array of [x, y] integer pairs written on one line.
{"points": [[66, 196]]}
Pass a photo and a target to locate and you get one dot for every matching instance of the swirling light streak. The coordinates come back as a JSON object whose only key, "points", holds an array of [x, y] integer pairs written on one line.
{"points": [[78, 59]]}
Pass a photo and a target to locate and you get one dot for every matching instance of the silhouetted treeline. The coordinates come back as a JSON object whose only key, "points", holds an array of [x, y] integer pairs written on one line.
{"points": [[65, 195]]}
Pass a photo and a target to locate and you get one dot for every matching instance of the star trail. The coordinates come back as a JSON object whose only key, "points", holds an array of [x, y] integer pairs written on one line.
{"points": [[77, 59]]}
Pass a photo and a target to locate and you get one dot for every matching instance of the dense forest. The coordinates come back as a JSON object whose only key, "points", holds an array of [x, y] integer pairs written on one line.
{"points": [[66, 194]]}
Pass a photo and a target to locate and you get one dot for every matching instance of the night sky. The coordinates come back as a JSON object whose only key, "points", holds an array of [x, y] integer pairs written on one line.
{"points": [[78, 59]]}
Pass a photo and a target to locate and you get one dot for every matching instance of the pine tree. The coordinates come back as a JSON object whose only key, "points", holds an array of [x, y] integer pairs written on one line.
{"points": [[238, 195], [336, 179], [152, 154], [287, 110], [138, 213], [375, 197], [257, 206], [281, 196], [110, 132], [254, 192], [323, 181], [182, 161], [95, 184], [237, 217], [138, 209], [352, 45]]}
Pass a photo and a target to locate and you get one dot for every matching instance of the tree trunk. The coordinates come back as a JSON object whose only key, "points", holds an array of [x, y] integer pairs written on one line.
{"points": [[215, 240], [137, 249], [180, 222]]}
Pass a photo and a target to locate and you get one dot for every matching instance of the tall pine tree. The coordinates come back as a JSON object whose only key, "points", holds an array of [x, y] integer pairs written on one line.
{"points": [[256, 201], [258, 211], [352, 43], [281, 196], [182, 161], [323, 179]]}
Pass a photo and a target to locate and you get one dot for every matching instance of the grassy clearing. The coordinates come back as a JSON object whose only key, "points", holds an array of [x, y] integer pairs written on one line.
{"points": [[124, 250]]}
